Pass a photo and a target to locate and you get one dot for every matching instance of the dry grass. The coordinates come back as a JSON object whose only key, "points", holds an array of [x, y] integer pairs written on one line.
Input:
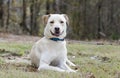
{"points": [[103, 61]]}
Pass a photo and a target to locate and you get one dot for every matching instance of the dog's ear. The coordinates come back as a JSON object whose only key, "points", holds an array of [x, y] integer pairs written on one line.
{"points": [[45, 18], [66, 17]]}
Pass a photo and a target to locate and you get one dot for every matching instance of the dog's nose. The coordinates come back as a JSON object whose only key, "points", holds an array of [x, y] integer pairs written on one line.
{"points": [[57, 28]]}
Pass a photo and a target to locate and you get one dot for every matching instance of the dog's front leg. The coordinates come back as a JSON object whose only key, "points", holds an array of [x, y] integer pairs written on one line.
{"points": [[45, 66], [66, 67], [70, 63]]}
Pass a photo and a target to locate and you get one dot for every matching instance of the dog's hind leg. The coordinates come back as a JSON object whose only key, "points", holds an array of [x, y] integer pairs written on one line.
{"points": [[48, 67]]}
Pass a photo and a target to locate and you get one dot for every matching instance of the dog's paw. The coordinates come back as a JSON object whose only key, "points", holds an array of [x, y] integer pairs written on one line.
{"points": [[39, 69], [72, 65], [71, 71]]}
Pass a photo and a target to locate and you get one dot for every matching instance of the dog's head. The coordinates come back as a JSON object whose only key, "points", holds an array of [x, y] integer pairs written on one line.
{"points": [[56, 25]]}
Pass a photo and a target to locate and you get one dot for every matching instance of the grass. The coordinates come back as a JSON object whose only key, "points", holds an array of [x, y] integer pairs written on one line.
{"points": [[18, 48], [101, 60], [107, 61]]}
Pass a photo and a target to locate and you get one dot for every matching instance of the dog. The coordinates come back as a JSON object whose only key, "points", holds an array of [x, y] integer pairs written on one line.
{"points": [[50, 53]]}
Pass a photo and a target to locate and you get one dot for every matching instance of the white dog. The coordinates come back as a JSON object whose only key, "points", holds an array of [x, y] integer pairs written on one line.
{"points": [[50, 52]]}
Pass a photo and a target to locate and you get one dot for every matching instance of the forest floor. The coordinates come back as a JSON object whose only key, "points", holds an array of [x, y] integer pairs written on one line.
{"points": [[94, 59]]}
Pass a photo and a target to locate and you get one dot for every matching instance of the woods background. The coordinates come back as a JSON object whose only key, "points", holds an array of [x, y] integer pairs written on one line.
{"points": [[89, 19]]}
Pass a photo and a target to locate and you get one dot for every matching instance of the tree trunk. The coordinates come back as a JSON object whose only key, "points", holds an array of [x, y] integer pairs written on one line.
{"points": [[57, 6], [24, 24], [1, 13], [8, 14], [47, 6], [35, 7], [32, 16]]}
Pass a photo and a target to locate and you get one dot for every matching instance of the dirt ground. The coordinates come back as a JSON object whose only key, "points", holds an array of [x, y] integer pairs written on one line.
{"points": [[17, 38], [5, 37], [18, 61]]}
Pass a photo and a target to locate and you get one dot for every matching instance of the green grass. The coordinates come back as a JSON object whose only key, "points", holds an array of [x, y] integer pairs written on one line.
{"points": [[106, 64], [100, 67], [19, 48]]}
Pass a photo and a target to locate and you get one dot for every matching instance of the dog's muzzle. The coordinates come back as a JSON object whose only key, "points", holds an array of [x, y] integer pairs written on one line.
{"points": [[56, 32]]}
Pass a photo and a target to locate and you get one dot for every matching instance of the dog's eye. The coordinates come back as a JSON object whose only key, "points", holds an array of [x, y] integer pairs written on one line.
{"points": [[51, 22], [61, 22]]}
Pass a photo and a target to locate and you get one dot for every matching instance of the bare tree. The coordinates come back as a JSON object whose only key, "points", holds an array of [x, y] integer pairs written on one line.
{"points": [[1, 13], [35, 8], [57, 6], [47, 7], [8, 14], [25, 23]]}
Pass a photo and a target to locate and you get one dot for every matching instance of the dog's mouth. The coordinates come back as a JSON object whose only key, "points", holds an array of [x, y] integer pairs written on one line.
{"points": [[56, 33]]}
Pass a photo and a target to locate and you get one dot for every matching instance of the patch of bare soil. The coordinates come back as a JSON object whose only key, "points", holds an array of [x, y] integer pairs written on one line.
{"points": [[117, 74], [95, 42], [18, 66], [4, 37], [89, 75], [17, 38], [16, 61]]}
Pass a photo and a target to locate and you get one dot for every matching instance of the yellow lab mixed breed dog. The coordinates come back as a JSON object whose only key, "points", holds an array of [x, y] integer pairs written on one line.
{"points": [[50, 53]]}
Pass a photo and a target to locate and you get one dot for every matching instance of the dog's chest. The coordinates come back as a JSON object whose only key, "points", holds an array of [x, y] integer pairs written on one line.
{"points": [[55, 51], [56, 48], [56, 54]]}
